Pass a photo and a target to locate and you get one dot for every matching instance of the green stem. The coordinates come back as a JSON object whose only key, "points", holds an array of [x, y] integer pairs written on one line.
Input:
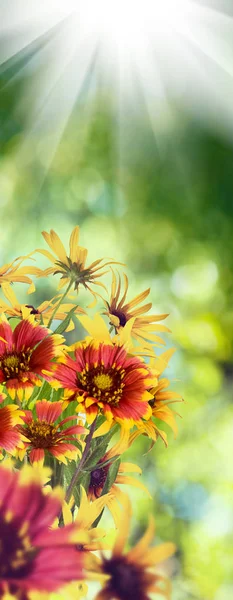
{"points": [[59, 303], [81, 463]]}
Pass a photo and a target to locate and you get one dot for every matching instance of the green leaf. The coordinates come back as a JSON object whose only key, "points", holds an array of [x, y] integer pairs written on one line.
{"points": [[111, 477], [84, 480], [45, 392], [64, 324]]}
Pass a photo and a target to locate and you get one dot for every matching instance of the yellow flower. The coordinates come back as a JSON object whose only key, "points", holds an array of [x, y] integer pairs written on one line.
{"points": [[43, 312], [159, 403], [116, 499], [73, 268], [84, 518], [119, 313], [130, 575], [12, 272]]}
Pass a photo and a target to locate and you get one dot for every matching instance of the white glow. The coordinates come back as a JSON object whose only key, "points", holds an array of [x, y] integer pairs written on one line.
{"points": [[175, 49]]}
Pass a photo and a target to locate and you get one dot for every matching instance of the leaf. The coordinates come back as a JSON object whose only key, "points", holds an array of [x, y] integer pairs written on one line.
{"points": [[64, 324], [98, 450], [45, 392], [111, 477], [84, 480]]}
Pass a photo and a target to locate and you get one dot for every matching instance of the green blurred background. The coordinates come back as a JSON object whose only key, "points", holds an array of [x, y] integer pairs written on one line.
{"points": [[160, 200]]}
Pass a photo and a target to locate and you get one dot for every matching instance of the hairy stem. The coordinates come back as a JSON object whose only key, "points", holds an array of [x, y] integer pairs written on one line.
{"points": [[59, 303], [81, 463]]}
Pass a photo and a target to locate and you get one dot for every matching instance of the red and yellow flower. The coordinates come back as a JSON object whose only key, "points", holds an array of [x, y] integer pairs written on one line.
{"points": [[133, 574], [10, 437], [34, 558], [120, 312], [45, 435], [104, 379], [25, 354], [73, 268]]}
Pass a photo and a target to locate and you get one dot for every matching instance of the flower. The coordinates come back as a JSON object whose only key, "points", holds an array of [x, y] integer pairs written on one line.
{"points": [[42, 313], [119, 313], [73, 268], [159, 403], [129, 575], [10, 437], [86, 515], [12, 272], [105, 379], [43, 434], [99, 479], [25, 354], [34, 558]]}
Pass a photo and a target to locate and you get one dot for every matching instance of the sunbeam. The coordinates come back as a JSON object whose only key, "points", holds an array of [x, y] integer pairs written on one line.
{"points": [[177, 51]]}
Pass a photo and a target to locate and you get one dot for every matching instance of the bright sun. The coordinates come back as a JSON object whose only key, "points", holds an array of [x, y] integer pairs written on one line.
{"points": [[175, 49]]}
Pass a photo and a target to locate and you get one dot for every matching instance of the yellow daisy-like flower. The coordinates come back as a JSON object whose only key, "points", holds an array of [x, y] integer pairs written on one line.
{"points": [[133, 574], [85, 516], [43, 313], [159, 403], [12, 272], [120, 312], [115, 499], [73, 268]]}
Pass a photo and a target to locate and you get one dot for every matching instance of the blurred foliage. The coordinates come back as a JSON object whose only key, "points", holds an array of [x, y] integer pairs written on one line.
{"points": [[162, 203]]}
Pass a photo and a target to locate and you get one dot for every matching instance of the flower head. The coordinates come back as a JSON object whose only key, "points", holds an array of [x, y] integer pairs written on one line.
{"points": [[42, 313], [45, 435], [120, 312], [10, 437], [161, 397], [105, 379], [25, 354], [129, 575], [13, 272], [73, 268], [33, 556], [99, 479]]}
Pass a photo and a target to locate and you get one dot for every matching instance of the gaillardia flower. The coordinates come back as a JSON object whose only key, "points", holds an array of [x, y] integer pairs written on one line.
{"points": [[99, 479], [43, 313], [25, 354], [159, 403], [120, 312], [105, 379], [73, 268], [130, 575], [10, 437], [13, 272], [34, 558], [44, 435]]}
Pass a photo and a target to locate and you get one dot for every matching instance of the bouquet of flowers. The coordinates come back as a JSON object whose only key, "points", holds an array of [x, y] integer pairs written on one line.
{"points": [[68, 413]]}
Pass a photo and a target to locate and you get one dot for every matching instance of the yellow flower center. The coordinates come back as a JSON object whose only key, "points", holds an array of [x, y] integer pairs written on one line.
{"points": [[103, 381], [13, 365], [105, 384], [11, 362], [41, 434]]}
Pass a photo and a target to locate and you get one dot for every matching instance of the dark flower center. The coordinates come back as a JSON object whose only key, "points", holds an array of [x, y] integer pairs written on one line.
{"points": [[41, 434], [16, 553], [15, 364], [127, 579], [121, 316], [97, 481], [33, 310], [104, 384]]}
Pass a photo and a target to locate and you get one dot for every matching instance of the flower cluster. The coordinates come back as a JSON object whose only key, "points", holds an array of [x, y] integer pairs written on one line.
{"points": [[68, 412]]}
